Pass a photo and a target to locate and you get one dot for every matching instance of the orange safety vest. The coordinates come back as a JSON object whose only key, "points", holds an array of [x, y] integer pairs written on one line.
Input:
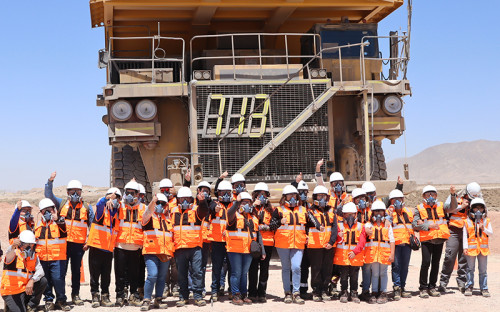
{"points": [[265, 217], [17, 273], [129, 228], [399, 222], [317, 238], [478, 244], [350, 240], [433, 215], [458, 218], [364, 215], [76, 221], [377, 247], [187, 228], [292, 234], [21, 226], [217, 225], [102, 233], [51, 241], [238, 237], [334, 201], [158, 236]]}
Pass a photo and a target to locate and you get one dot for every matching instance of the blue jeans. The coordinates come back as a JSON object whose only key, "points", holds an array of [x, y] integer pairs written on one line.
{"points": [[366, 273], [482, 265], [240, 264], [218, 255], [54, 273], [290, 261], [74, 252], [400, 265], [379, 275], [185, 257], [157, 274]]}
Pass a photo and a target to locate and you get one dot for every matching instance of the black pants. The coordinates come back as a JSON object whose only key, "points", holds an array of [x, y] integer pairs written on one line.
{"points": [[100, 263], [349, 277], [304, 271], [172, 274], [74, 253], [431, 254], [127, 265], [321, 268], [142, 272], [257, 284], [18, 302]]}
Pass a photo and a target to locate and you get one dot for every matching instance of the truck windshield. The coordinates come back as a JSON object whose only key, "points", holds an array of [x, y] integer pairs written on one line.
{"points": [[335, 38]]}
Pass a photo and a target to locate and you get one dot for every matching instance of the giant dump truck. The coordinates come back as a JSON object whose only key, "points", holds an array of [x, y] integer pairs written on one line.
{"points": [[265, 88]]}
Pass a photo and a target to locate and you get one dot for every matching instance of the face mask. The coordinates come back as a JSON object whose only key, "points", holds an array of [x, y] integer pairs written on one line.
{"points": [[398, 204], [478, 215], [167, 194], [47, 215], [129, 199], [226, 198], [263, 200], [350, 220], [28, 252], [159, 209], [320, 203], [372, 197], [247, 208], [361, 204], [207, 196], [338, 188], [292, 202], [430, 201], [115, 203], [378, 218], [27, 217], [74, 198], [239, 189], [303, 196], [185, 204]]}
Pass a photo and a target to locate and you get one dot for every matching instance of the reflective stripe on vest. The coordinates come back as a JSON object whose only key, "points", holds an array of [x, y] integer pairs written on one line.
{"points": [[348, 244], [238, 237], [477, 245], [187, 235], [76, 223], [442, 232]]}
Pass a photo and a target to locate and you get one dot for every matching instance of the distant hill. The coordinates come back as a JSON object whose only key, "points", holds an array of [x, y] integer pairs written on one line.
{"points": [[456, 163]]}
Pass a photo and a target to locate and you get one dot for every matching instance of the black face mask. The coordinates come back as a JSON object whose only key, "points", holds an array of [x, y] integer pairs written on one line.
{"points": [[350, 220]]}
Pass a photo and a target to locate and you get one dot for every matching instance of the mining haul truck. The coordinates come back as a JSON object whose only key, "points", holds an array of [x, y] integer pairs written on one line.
{"points": [[265, 88]]}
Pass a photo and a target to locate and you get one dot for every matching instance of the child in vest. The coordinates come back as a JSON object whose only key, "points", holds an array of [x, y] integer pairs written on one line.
{"points": [[477, 231], [379, 251]]}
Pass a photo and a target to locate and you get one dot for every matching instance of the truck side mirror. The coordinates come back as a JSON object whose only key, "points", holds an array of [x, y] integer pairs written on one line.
{"points": [[103, 59]]}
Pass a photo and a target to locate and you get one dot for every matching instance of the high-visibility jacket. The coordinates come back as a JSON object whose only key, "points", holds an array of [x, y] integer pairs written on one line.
{"points": [[187, 228], [292, 234], [334, 201], [158, 236], [21, 226], [318, 238], [364, 215], [128, 226], [399, 223], [102, 232], [76, 221], [377, 247], [478, 241], [238, 236], [265, 217], [205, 229], [434, 215], [350, 240], [217, 224], [51, 241], [17, 273], [457, 219]]}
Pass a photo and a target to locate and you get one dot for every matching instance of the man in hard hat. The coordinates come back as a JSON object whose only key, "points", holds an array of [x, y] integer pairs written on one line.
{"points": [[51, 237], [78, 216], [22, 219], [337, 188], [371, 191], [457, 208]]}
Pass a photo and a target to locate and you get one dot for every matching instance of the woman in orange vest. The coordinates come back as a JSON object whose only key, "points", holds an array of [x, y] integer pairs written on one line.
{"points": [[242, 228], [429, 220], [290, 240], [477, 230], [22, 219]]}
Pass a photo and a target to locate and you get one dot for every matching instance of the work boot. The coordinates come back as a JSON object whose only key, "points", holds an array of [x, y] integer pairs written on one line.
{"points": [[382, 298], [140, 290], [297, 299], [424, 294], [334, 292], [214, 297], [200, 302], [468, 292], [76, 300], [145, 306], [166, 292], [245, 299], [485, 293], [134, 300], [175, 291], [262, 299], [49, 306], [105, 302], [344, 297], [397, 293], [237, 300], [221, 293], [326, 297], [373, 298], [354, 297], [317, 298], [159, 304], [405, 294], [120, 302], [365, 296], [29, 308], [96, 300], [62, 305], [434, 293], [181, 303], [288, 297], [442, 289]]}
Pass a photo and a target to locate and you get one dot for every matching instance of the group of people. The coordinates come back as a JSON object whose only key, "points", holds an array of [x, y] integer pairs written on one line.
{"points": [[163, 246]]}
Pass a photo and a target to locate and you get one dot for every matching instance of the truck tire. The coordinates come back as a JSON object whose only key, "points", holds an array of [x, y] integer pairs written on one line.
{"points": [[379, 168], [127, 164]]}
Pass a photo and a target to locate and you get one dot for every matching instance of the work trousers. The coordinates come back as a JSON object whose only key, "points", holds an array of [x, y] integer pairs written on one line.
{"points": [[19, 302], [259, 274], [431, 254], [54, 273], [321, 268], [74, 252], [349, 277], [100, 263], [127, 266], [454, 249], [186, 257]]}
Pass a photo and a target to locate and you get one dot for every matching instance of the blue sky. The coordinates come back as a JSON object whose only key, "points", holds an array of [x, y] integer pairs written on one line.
{"points": [[50, 79]]}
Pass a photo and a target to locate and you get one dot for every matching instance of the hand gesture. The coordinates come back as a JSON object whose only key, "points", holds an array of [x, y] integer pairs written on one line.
{"points": [[283, 220], [238, 199], [351, 255], [223, 175], [299, 177], [481, 226], [217, 209], [321, 228], [319, 164], [52, 176], [155, 199], [187, 176], [263, 257], [19, 205], [466, 251], [257, 202], [328, 246], [465, 203], [16, 243], [452, 189], [369, 231], [200, 197], [400, 180]]}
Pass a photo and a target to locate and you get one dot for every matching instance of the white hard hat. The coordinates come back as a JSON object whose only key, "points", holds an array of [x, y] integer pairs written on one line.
{"points": [[114, 190], [245, 195], [166, 183], [396, 194], [161, 197], [336, 176], [320, 189], [25, 204], [429, 188], [184, 192], [132, 186], [289, 189], [237, 177], [473, 190], [224, 186], [378, 205], [476, 201], [369, 187], [142, 190], [261, 186], [358, 192], [303, 186], [45, 203], [74, 184], [27, 237], [204, 184], [349, 207]]}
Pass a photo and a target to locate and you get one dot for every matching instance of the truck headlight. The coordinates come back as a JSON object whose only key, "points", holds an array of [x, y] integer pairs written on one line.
{"points": [[372, 107], [145, 110], [121, 110], [392, 104]]}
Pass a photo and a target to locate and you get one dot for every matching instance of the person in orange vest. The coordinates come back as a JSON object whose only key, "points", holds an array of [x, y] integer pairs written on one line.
{"points": [[101, 243], [51, 235], [129, 241], [305, 266], [78, 216], [242, 228], [379, 251], [337, 188], [349, 253], [188, 239], [401, 218], [457, 208], [142, 273], [290, 240], [429, 220], [239, 184], [158, 249], [23, 281], [22, 219], [258, 274], [477, 231], [322, 228], [362, 204]]}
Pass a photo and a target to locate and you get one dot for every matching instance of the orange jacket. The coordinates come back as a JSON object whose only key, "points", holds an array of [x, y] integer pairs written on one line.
{"points": [[350, 239], [218, 224], [21, 226], [265, 217], [76, 221], [457, 219], [399, 222], [17, 273], [102, 234], [478, 244], [434, 215], [292, 234], [51, 241], [158, 236], [317, 238], [377, 247], [128, 226], [238, 237], [187, 228]]}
